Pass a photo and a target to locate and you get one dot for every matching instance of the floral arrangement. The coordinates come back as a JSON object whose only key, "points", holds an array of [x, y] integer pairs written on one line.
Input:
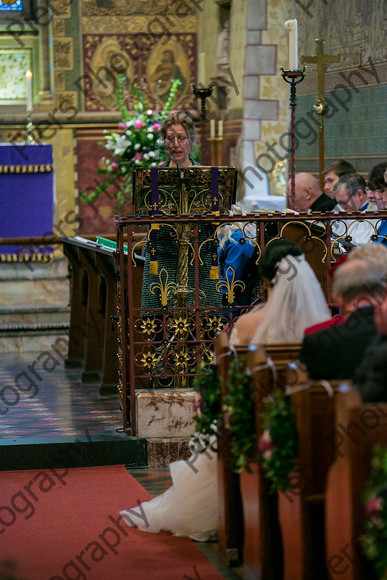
{"points": [[374, 541], [137, 145], [207, 404], [238, 416], [278, 442]]}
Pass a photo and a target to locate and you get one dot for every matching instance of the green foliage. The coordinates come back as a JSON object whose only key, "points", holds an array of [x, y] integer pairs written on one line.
{"points": [[238, 416], [374, 542], [207, 405], [278, 442]]}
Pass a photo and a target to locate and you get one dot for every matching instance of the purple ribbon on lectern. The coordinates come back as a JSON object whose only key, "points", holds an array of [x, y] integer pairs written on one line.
{"points": [[214, 273], [153, 265]]}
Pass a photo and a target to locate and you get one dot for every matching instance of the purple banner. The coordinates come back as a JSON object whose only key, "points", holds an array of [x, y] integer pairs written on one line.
{"points": [[26, 199]]}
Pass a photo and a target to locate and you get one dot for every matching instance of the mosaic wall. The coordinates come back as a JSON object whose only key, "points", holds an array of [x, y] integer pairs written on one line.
{"points": [[106, 56], [355, 88], [14, 63]]}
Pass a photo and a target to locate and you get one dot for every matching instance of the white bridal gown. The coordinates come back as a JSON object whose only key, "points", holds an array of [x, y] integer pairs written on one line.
{"points": [[189, 507]]}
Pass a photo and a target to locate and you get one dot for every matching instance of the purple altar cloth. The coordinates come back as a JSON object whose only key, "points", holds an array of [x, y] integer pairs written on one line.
{"points": [[26, 199]]}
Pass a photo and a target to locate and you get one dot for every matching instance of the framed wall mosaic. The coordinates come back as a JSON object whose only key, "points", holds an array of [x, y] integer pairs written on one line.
{"points": [[145, 59], [14, 63]]}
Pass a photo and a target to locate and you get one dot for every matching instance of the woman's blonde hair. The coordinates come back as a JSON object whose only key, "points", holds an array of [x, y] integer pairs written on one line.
{"points": [[183, 119]]}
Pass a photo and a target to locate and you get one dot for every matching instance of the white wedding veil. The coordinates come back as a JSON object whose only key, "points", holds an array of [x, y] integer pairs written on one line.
{"points": [[296, 302]]}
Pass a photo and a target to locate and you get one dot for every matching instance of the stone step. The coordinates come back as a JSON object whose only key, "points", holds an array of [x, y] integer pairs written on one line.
{"points": [[34, 293], [31, 315], [34, 271], [51, 453], [38, 339], [34, 285]]}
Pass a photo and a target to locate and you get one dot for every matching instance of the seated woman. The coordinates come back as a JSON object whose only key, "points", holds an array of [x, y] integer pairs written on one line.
{"points": [[237, 255], [190, 506], [295, 299]]}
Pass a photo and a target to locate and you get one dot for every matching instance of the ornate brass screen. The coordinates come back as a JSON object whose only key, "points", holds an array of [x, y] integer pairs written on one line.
{"points": [[162, 344]]}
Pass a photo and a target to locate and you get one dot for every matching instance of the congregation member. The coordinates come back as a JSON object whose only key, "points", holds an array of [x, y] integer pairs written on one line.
{"points": [[371, 376], [372, 202], [333, 172], [378, 186], [350, 192], [334, 353], [308, 195], [374, 253]]}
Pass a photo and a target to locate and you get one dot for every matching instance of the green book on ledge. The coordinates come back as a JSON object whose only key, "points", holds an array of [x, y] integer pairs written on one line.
{"points": [[109, 243]]}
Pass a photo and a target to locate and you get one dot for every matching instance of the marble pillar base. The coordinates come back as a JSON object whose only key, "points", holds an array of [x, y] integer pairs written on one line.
{"points": [[164, 419], [164, 413]]}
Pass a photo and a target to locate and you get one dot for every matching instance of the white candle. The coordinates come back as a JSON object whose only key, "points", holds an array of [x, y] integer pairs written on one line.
{"points": [[29, 91], [212, 128], [220, 129], [293, 43], [202, 69]]}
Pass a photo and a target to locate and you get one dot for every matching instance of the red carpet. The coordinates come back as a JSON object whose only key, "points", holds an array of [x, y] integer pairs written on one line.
{"points": [[64, 526]]}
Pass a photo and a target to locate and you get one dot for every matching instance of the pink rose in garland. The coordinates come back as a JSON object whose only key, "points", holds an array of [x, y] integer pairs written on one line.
{"points": [[374, 507], [266, 444]]}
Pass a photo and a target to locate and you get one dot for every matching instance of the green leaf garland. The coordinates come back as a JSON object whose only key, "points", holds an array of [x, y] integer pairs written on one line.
{"points": [[207, 406], [238, 416], [278, 442]]}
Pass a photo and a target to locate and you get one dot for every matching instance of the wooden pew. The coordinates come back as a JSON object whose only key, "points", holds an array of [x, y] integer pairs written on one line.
{"points": [[262, 550], [78, 313], [302, 506], [229, 497], [230, 505], [358, 427]]}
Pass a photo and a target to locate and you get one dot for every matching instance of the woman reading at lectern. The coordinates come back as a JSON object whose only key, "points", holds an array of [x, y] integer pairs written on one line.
{"points": [[179, 134]]}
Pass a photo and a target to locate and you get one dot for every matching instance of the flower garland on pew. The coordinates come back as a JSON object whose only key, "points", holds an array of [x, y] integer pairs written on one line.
{"points": [[238, 417], [137, 145], [278, 443], [277, 451], [374, 541], [207, 412]]}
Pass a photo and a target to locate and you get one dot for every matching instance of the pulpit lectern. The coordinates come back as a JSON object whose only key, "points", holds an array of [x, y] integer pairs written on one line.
{"points": [[164, 340]]}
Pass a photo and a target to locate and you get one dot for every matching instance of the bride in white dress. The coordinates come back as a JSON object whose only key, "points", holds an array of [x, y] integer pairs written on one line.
{"points": [[189, 507], [295, 301]]}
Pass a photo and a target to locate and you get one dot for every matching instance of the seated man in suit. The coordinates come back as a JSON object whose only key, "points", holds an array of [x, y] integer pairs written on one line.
{"points": [[371, 375], [335, 352], [308, 195]]}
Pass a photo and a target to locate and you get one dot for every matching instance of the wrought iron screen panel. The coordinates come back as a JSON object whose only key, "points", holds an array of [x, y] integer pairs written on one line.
{"points": [[162, 342]]}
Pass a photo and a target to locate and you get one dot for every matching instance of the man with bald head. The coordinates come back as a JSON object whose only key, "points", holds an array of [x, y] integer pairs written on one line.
{"points": [[308, 195], [335, 353]]}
